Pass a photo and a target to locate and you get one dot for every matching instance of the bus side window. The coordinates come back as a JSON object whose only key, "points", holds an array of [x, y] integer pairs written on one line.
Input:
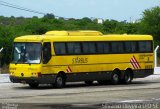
{"points": [[103, 47], [60, 48], [89, 47], [117, 47], [74, 48], [145, 46], [46, 52], [131, 47]]}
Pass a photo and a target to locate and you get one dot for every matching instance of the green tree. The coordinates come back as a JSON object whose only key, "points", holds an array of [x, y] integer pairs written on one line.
{"points": [[150, 22], [49, 16]]}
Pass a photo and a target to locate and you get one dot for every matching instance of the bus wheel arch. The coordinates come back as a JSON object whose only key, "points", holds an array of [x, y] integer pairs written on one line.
{"points": [[63, 74], [115, 76], [60, 80]]}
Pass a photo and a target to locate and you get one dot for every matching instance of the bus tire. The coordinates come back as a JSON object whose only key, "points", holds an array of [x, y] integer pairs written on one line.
{"points": [[60, 81], [33, 85], [115, 77], [127, 79], [88, 82]]}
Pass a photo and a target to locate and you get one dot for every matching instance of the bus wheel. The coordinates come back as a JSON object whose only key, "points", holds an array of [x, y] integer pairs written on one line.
{"points": [[115, 78], [33, 85], [60, 81], [127, 79], [88, 82]]}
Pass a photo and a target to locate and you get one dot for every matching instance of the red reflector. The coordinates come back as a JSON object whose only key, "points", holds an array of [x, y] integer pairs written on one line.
{"points": [[39, 74]]}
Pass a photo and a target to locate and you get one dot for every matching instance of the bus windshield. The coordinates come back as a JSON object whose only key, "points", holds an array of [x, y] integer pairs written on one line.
{"points": [[28, 53]]}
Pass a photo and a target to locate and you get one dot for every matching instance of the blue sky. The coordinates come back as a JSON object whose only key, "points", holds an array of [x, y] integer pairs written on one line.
{"points": [[107, 9]]}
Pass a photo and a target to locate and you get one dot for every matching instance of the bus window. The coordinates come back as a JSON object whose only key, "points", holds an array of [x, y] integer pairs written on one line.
{"points": [[102, 47], [145, 46], [130, 47], [117, 47], [149, 46], [88, 47], [46, 52], [106, 47], [27, 53], [73, 48], [60, 48]]}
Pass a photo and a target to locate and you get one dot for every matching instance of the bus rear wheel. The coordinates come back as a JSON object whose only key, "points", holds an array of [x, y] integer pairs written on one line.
{"points": [[127, 79], [60, 81], [33, 85], [115, 78]]}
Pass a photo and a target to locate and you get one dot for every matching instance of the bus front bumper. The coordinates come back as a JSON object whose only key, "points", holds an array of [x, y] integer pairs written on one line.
{"points": [[44, 79]]}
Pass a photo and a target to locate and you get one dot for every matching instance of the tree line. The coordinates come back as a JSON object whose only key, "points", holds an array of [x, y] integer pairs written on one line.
{"points": [[11, 27]]}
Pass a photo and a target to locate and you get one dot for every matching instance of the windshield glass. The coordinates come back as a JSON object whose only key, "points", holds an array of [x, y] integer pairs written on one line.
{"points": [[26, 53]]}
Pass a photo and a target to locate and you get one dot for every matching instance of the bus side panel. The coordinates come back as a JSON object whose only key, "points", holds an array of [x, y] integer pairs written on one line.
{"points": [[92, 76], [100, 67]]}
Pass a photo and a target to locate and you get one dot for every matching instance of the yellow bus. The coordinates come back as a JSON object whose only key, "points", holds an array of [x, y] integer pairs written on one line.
{"points": [[58, 57]]}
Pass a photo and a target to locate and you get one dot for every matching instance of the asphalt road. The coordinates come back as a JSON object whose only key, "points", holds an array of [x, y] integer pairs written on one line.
{"points": [[141, 94]]}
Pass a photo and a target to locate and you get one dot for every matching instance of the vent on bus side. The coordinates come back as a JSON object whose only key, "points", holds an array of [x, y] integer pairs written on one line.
{"points": [[74, 33]]}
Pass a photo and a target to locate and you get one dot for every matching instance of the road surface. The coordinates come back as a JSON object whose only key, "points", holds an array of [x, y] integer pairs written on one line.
{"points": [[141, 94]]}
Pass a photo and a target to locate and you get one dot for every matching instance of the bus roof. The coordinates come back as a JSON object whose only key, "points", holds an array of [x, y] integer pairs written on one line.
{"points": [[74, 33], [81, 37]]}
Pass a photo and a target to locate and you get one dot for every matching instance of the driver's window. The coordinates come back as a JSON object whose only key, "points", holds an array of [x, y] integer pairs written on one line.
{"points": [[46, 52]]}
